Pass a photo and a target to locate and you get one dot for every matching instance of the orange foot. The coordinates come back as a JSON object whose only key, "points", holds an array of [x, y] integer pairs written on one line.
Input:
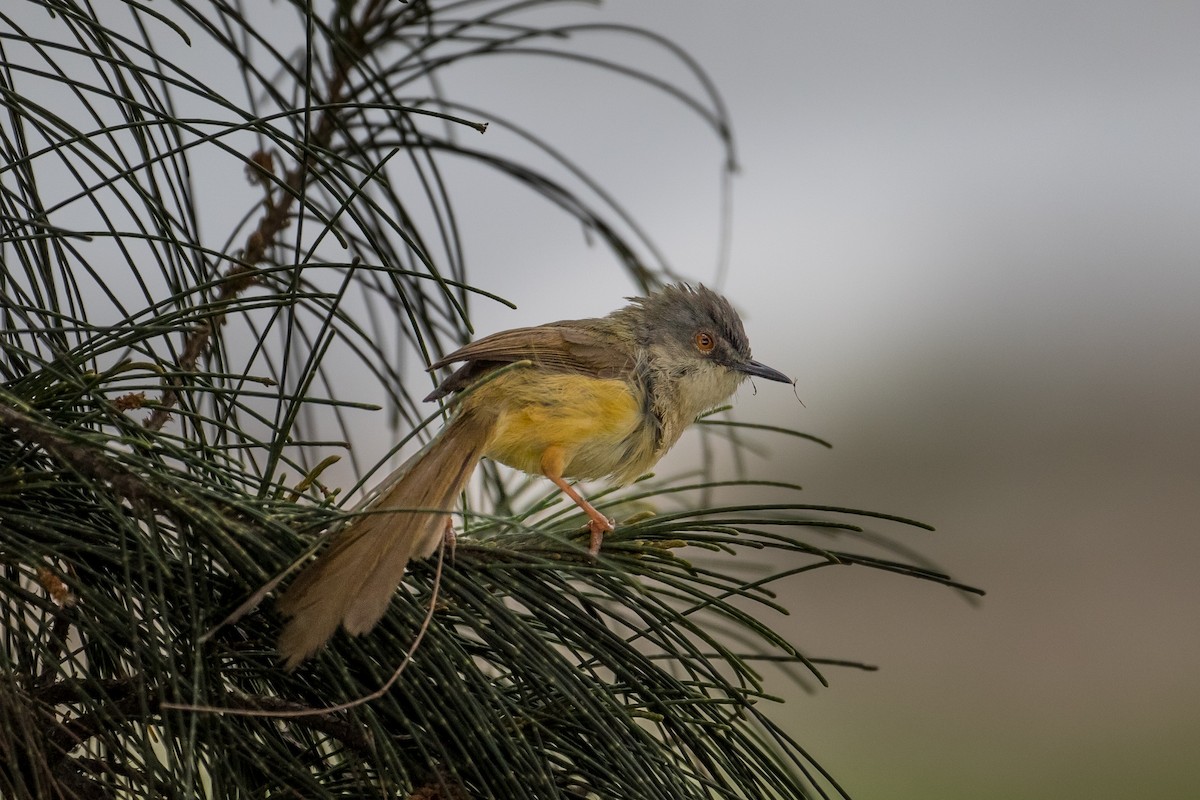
{"points": [[599, 525]]}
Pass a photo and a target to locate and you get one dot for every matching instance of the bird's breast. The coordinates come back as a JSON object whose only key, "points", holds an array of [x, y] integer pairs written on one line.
{"points": [[603, 425]]}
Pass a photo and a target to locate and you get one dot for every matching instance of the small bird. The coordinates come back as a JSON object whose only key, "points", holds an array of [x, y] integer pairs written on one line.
{"points": [[604, 397]]}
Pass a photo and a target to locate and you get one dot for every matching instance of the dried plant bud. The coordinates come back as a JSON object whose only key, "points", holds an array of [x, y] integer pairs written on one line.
{"points": [[55, 587], [260, 167], [130, 401]]}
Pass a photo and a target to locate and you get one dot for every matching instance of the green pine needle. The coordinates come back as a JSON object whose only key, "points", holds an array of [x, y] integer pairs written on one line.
{"points": [[181, 366]]}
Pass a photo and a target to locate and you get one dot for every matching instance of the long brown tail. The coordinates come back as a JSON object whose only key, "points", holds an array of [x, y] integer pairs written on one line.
{"points": [[352, 582]]}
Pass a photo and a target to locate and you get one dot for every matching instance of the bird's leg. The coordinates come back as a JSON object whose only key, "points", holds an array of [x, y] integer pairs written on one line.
{"points": [[552, 466], [598, 524]]}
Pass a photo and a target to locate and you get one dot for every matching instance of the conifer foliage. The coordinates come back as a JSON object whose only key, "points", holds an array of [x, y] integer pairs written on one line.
{"points": [[226, 240]]}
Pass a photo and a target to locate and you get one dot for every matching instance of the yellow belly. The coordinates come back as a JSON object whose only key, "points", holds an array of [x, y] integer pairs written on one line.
{"points": [[599, 424]]}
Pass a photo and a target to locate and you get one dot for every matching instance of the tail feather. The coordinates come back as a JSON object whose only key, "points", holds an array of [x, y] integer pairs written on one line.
{"points": [[352, 583]]}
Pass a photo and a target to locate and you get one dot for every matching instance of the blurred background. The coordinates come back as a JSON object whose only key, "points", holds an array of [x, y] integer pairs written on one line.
{"points": [[972, 230]]}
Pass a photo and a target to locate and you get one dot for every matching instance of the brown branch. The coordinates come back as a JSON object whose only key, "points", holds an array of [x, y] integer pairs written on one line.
{"points": [[85, 459], [75, 690], [355, 736], [62, 736], [242, 275], [441, 788]]}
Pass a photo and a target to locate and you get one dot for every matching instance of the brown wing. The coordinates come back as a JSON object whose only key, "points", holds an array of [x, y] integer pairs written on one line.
{"points": [[567, 346]]}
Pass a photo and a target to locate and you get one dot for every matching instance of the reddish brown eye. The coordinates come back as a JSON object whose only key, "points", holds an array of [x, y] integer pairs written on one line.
{"points": [[704, 342]]}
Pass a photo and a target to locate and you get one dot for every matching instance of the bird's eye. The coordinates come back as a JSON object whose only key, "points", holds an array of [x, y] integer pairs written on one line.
{"points": [[704, 342]]}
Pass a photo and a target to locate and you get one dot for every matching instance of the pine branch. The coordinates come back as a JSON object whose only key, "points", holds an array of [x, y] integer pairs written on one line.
{"points": [[278, 208], [75, 454], [540, 672]]}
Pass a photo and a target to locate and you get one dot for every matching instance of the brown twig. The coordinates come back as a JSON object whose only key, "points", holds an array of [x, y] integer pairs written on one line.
{"points": [[75, 690], [87, 460], [355, 736], [124, 699], [441, 788], [306, 712], [275, 218]]}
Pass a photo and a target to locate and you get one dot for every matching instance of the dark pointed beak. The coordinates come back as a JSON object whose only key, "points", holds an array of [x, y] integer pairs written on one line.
{"points": [[761, 371]]}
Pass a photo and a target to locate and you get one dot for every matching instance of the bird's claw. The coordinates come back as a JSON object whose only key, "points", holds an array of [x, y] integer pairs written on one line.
{"points": [[598, 528]]}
